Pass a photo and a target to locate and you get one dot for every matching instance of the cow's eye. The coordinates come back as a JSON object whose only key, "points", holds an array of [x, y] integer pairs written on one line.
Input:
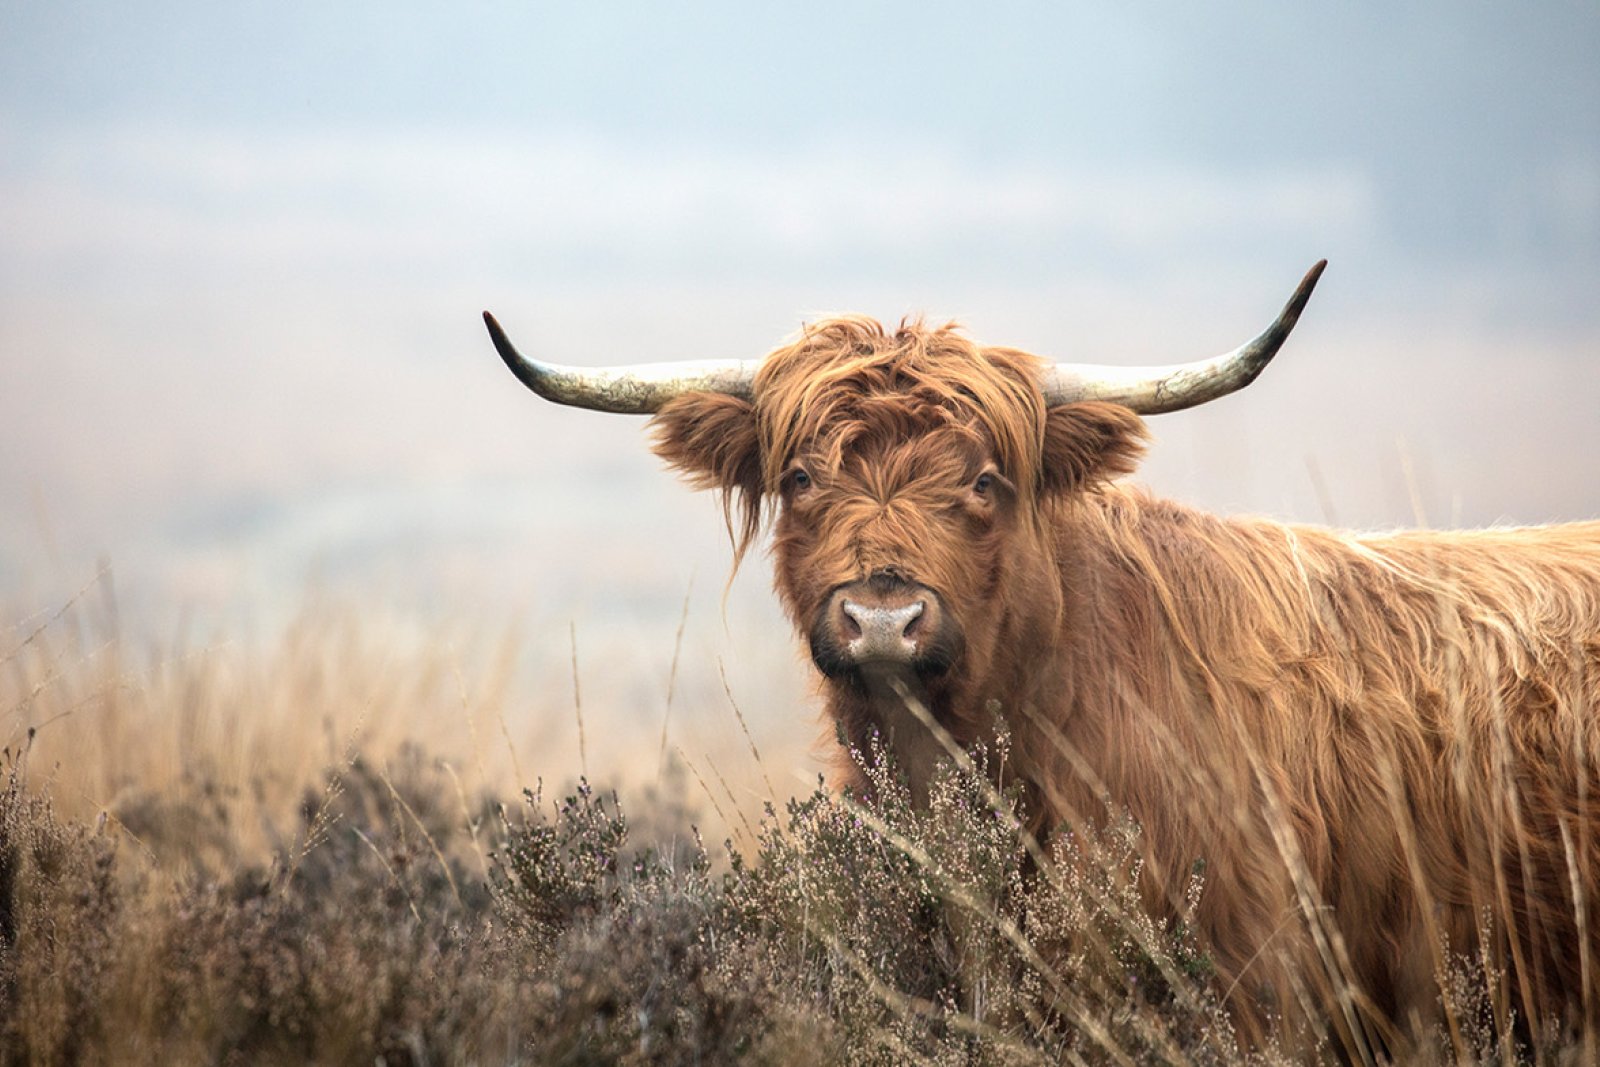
{"points": [[799, 479], [981, 486]]}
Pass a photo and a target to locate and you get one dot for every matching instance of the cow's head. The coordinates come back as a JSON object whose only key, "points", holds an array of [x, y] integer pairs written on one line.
{"points": [[911, 471], [906, 466]]}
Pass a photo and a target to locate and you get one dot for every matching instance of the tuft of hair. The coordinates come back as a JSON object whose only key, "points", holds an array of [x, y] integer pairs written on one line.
{"points": [[712, 439], [1088, 444], [849, 376], [848, 379]]}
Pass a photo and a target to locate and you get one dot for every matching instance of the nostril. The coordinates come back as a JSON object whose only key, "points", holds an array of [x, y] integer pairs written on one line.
{"points": [[915, 622], [851, 622]]}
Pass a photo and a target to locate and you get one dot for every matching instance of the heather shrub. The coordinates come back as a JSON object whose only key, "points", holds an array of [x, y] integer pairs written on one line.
{"points": [[365, 950], [944, 932], [60, 904]]}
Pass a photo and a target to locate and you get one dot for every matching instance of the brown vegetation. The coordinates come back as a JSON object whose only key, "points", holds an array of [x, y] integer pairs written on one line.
{"points": [[388, 912]]}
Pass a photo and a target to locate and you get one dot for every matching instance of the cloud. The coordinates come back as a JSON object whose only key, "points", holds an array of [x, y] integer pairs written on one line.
{"points": [[175, 199]]}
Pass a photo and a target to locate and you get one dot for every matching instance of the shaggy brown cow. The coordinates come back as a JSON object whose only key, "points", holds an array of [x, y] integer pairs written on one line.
{"points": [[1380, 745]]}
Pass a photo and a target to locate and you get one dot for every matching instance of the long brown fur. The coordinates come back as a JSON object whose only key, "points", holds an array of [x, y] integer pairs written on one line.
{"points": [[1380, 746]]}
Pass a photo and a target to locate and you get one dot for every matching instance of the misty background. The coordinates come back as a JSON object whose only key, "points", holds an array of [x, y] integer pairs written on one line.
{"points": [[244, 249]]}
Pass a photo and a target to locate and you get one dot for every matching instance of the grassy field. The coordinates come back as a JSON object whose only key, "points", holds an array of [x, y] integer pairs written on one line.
{"points": [[326, 852]]}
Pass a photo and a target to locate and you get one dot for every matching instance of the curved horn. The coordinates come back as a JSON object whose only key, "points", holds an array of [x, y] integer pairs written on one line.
{"points": [[638, 390], [1153, 390]]}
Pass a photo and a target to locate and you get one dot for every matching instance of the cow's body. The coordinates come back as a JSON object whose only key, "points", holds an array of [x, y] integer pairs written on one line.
{"points": [[1419, 709], [1378, 746]]}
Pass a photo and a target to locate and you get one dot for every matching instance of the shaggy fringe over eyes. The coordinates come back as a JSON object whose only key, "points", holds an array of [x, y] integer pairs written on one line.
{"points": [[848, 382], [849, 377]]}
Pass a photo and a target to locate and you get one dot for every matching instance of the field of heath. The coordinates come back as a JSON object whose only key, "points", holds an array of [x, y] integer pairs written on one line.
{"points": [[352, 845]]}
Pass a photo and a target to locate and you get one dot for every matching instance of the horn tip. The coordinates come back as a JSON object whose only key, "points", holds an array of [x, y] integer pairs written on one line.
{"points": [[528, 372], [1314, 274], [502, 343], [1302, 292], [494, 326], [1264, 348]]}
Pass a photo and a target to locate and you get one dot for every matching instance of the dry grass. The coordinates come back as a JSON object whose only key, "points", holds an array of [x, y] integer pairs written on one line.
{"points": [[321, 853]]}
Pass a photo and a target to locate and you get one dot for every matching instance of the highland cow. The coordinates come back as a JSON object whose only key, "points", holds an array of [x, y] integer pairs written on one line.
{"points": [[1383, 747]]}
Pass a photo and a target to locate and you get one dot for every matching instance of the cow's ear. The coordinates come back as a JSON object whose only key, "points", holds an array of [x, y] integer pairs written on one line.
{"points": [[712, 439], [1089, 443]]}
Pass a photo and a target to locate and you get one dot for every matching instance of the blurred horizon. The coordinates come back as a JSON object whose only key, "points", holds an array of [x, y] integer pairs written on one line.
{"points": [[244, 249]]}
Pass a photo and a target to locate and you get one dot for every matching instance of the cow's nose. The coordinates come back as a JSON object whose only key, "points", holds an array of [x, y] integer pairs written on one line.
{"points": [[881, 633]]}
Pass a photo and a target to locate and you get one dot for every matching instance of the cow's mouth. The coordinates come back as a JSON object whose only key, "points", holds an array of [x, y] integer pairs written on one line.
{"points": [[884, 626]]}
